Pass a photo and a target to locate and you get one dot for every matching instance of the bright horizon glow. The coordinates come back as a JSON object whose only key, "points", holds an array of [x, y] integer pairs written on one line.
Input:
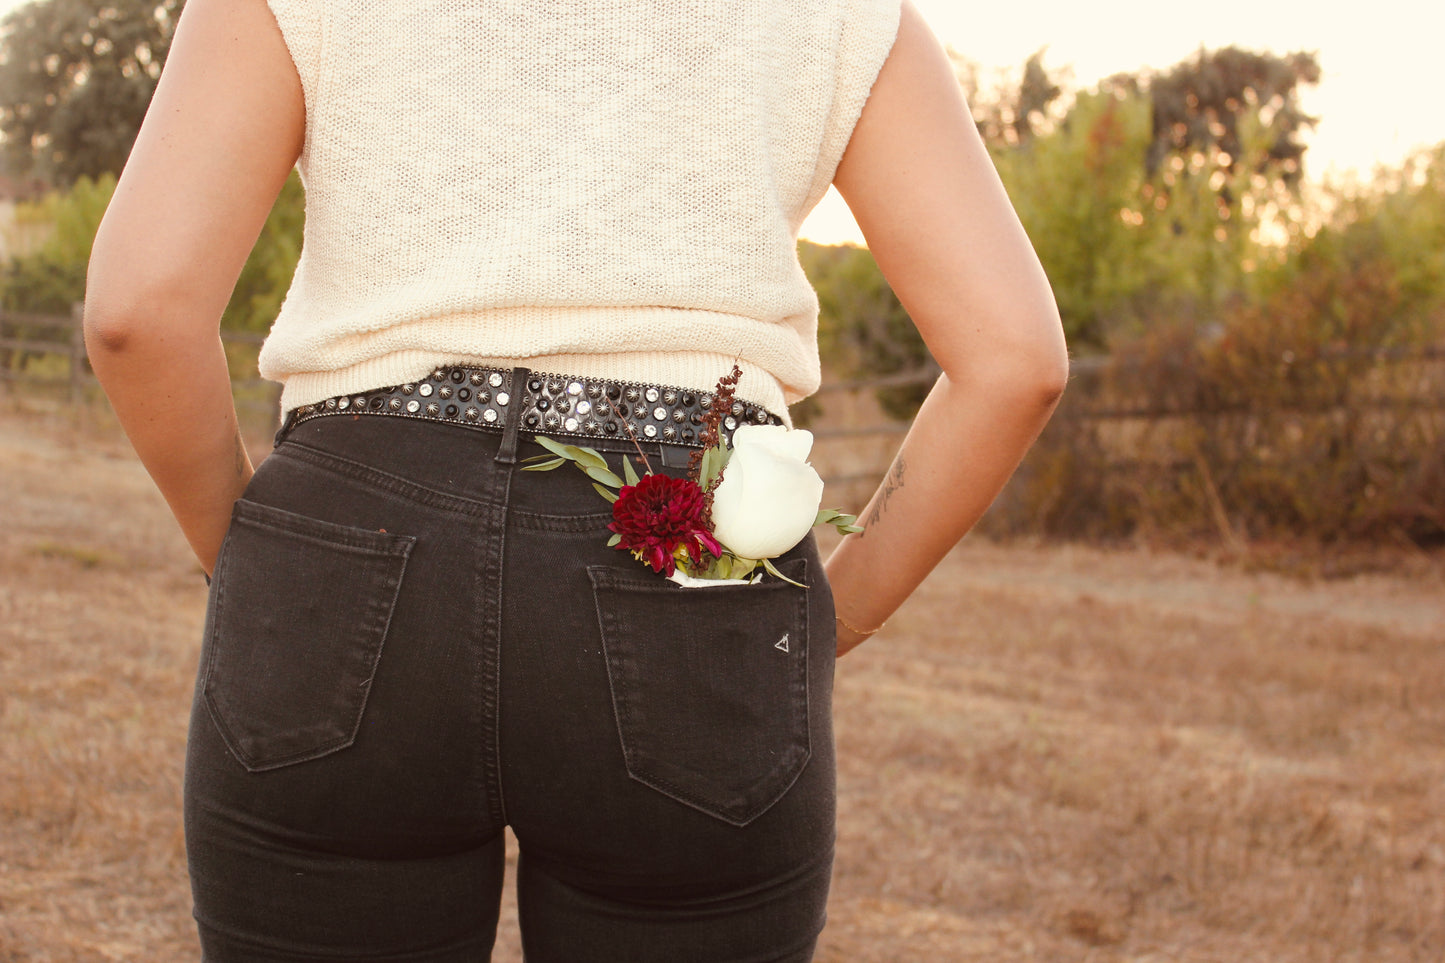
{"points": [[1376, 102]]}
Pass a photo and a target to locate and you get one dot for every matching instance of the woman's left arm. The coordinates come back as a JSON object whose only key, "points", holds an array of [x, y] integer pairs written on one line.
{"points": [[222, 133]]}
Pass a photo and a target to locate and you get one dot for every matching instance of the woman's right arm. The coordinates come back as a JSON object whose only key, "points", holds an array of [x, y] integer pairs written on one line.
{"points": [[937, 220], [219, 140]]}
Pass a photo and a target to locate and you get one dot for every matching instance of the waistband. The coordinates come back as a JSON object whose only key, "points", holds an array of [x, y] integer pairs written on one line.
{"points": [[553, 404]]}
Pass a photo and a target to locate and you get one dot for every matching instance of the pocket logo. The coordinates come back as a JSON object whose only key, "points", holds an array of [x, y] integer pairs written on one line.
{"points": [[782, 644]]}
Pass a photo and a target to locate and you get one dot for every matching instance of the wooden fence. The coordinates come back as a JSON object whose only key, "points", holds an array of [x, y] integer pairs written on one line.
{"points": [[26, 339], [47, 352], [855, 438]]}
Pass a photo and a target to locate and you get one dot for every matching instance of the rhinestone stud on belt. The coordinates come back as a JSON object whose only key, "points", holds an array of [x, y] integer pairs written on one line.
{"points": [[552, 404]]}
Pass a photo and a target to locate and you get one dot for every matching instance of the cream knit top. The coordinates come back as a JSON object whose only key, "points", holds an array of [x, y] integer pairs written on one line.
{"points": [[608, 188]]}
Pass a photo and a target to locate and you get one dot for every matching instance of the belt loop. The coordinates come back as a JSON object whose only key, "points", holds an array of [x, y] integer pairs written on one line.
{"points": [[507, 451], [675, 456], [286, 424]]}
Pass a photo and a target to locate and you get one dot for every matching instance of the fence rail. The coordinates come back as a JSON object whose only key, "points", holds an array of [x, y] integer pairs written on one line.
{"points": [[855, 437], [23, 336], [49, 350]]}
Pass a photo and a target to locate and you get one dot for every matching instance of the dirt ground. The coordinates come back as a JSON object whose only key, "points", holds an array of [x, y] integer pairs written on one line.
{"points": [[1052, 753]]}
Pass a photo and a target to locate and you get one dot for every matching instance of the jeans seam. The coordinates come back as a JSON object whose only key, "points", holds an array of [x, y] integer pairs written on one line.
{"points": [[538, 521], [492, 571], [379, 608], [384, 481], [638, 769]]}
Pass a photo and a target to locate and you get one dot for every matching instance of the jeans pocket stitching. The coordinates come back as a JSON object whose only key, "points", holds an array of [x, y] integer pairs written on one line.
{"points": [[642, 768], [373, 624]]}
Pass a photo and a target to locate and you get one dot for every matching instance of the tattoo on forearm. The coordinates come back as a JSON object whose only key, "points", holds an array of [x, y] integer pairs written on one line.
{"points": [[892, 484]]}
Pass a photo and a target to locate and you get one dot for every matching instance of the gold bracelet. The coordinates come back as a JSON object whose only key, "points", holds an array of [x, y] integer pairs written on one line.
{"points": [[854, 629]]}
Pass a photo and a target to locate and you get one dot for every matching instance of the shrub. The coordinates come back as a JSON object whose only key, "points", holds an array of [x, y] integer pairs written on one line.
{"points": [[1319, 413]]}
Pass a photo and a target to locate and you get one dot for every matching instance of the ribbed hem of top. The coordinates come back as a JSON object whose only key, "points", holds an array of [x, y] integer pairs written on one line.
{"points": [[698, 370]]}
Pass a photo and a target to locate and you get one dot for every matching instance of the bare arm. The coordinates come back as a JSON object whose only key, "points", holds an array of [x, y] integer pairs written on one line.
{"points": [[922, 188], [222, 133]]}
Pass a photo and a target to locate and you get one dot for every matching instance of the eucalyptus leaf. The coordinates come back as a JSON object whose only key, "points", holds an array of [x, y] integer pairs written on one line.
{"points": [[606, 493], [730, 566], [602, 475], [556, 447], [742, 567], [628, 471], [767, 564], [849, 529], [546, 465], [588, 458], [614, 541]]}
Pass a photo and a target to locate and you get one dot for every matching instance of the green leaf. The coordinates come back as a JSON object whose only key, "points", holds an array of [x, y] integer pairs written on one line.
{"points": [[729, 566], [714, 459], [588, 458], [614, 540], [842, 521], [602, 475], [556, 447], [628, 471], [547, 465], [767, 564], [606, 493]]}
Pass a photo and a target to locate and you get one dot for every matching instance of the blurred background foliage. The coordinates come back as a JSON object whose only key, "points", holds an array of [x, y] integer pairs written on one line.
{"points": [[75, 80], [1248, 339]]}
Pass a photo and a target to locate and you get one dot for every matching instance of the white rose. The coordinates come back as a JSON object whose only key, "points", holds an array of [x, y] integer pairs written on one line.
{"points": [[769, 495]]}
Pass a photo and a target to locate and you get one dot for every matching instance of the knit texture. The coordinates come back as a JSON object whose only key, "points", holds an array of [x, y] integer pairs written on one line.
{"points": [[609, 188]]}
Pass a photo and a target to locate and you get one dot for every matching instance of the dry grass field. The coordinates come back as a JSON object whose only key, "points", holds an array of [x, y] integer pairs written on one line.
{"points": [[1053, 753]]}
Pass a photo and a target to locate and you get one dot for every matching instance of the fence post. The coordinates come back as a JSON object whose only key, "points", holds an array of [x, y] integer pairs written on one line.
{"points": [[77, 351]]}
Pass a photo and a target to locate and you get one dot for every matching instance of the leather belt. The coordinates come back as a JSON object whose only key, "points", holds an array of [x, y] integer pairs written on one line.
{"points": [[553, 404]]}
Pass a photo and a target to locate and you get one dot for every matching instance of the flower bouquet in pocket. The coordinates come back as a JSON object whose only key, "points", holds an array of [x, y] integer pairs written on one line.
{"points": [[739, 506]]}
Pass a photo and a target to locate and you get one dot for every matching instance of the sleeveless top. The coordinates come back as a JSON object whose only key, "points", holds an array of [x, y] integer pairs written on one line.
{"points": [[607, 188]]}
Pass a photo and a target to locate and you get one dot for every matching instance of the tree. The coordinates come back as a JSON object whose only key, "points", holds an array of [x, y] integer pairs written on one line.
{"points": [[75, 81], [265, 279], [862, 327], [1199, 104], [52, 277], [1077, 190], [1013, 117]]}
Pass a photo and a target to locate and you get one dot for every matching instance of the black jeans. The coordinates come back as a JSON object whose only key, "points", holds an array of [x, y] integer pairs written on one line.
{"points": [[412, 643]]}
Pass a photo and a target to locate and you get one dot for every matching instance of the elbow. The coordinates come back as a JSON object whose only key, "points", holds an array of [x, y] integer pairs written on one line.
{"points": [[109, 332], [130, 315], [1039, 382], [1050, 372], [1025, 360], [1038, 353], [112, 319]]}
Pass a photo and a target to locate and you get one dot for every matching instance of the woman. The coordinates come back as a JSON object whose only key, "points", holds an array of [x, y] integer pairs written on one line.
{"points": [[413, 643]]}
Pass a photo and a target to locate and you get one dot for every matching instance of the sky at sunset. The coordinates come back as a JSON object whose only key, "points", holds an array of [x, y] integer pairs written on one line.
{"points": [[1377, 100]]}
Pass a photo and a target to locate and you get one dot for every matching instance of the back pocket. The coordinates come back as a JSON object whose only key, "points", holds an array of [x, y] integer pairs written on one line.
{"points": [[300, 611], [709, 686]]}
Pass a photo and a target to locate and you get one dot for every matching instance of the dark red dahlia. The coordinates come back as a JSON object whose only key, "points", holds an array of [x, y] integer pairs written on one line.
{"points": [[659, 515]]}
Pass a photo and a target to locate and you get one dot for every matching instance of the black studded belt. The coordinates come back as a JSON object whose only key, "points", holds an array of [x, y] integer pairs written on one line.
{"points": [[551, 403]]}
